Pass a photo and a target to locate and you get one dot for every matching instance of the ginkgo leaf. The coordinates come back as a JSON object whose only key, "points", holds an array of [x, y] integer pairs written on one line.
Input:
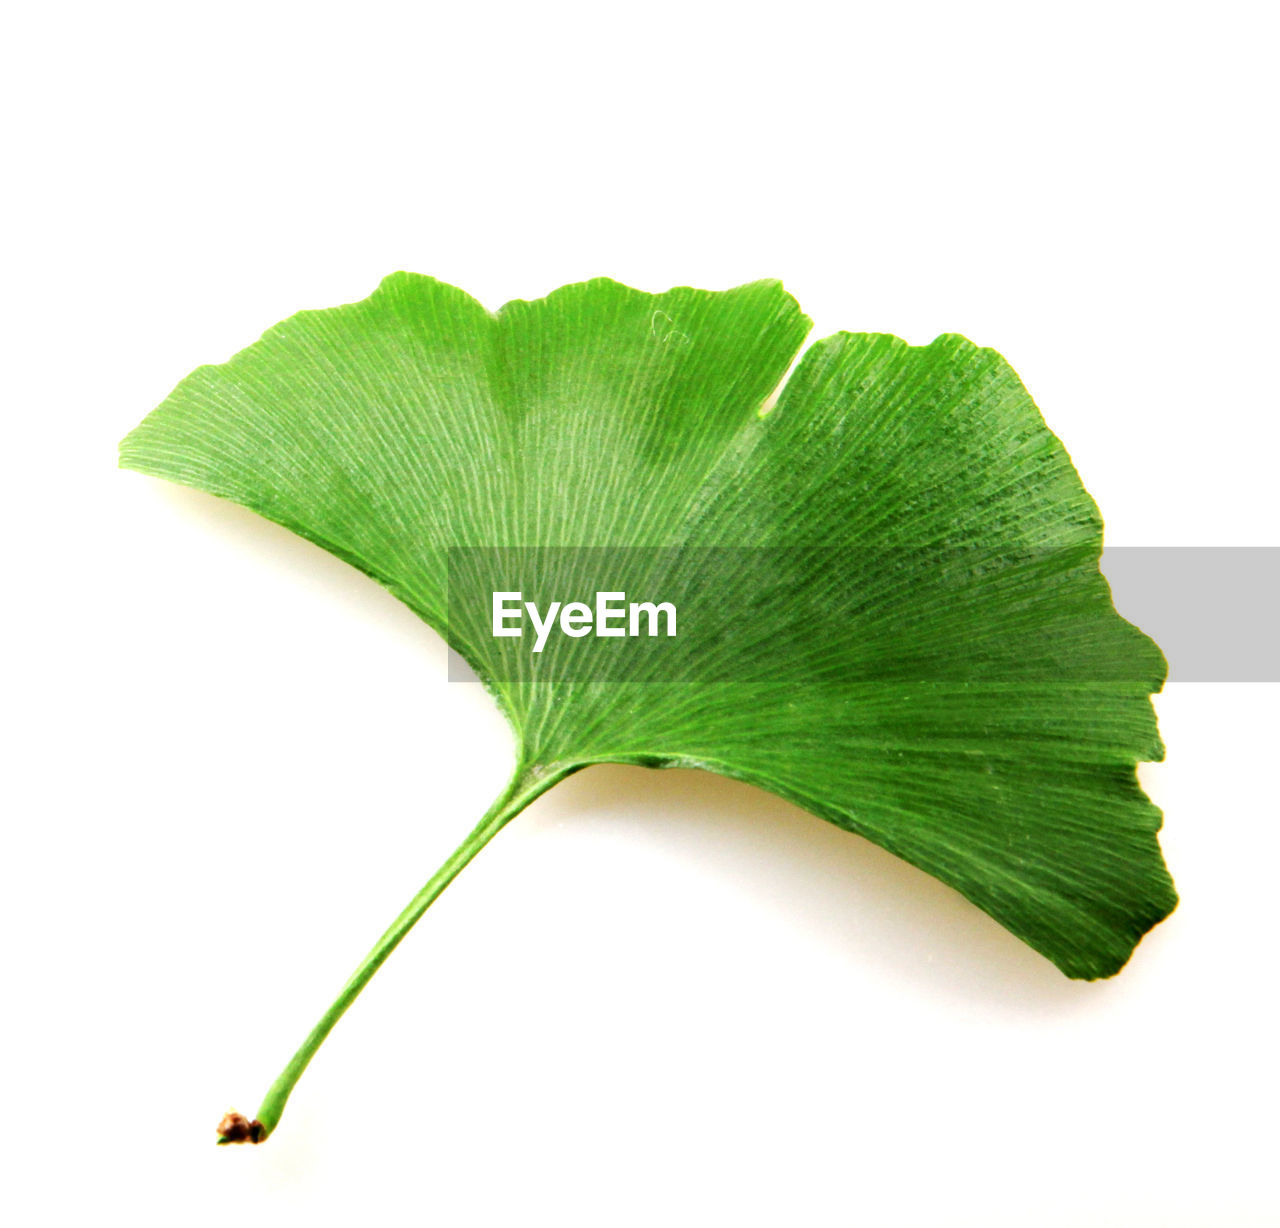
{"points": [[890, 606]]}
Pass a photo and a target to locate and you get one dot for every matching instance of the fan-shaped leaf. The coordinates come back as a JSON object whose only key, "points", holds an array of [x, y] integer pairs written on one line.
{"points": [[890, 605]]}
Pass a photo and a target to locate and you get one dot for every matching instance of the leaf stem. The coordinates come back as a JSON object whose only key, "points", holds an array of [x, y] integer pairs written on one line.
{"points": [[528, 783]]}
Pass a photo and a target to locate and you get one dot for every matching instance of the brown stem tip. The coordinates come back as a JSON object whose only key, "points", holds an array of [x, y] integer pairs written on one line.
{"points": [[237, 1128]]}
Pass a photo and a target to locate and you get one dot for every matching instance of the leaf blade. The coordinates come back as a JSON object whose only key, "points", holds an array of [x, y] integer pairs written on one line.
{"points": [[974, 703]]}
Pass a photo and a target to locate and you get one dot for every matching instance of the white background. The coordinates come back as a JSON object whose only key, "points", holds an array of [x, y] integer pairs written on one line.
{"points": [[657, 998]]}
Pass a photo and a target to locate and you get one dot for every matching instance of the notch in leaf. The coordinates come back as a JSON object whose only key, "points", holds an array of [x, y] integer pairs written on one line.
{"points": [[922, 649]]}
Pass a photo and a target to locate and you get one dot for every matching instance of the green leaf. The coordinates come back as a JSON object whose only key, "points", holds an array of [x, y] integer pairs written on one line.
{"points": [[891, 609]]}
